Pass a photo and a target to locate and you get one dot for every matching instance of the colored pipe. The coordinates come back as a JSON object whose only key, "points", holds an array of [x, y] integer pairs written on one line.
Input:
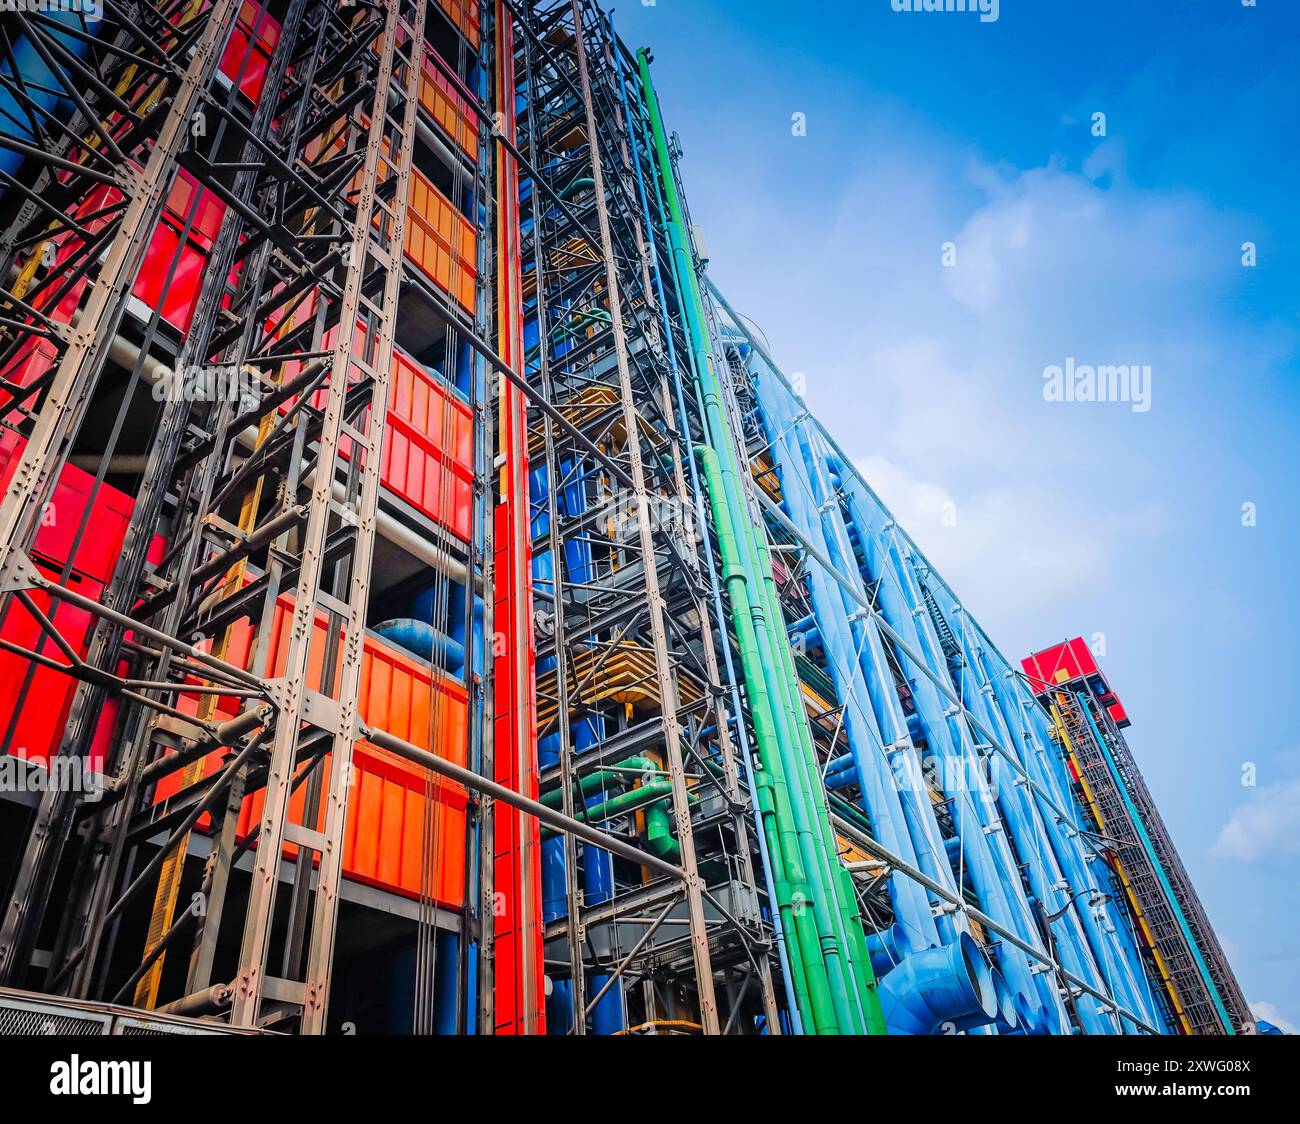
{"points": [[833, 956], [940, 989], [793, 1016], [425, 641]]}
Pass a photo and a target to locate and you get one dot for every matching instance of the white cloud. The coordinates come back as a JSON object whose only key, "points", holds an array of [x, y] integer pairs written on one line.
{"points": [[1266, 825], [1269, 1013], [934, 383], [1000, 543]]}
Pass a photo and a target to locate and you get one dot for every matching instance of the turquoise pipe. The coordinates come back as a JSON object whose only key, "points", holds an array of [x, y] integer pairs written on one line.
{"points": [[1140, 826]]}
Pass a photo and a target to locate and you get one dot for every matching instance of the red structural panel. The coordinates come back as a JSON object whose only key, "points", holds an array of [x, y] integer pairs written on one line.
{"points": [[1044, 668], [248, 51], [429, 447], [518, 970], [176, 291], [38, 699], [158, 284], [428, 455]]}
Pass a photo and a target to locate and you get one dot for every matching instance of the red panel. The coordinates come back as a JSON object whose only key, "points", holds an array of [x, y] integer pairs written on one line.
{"points": [[42, 702], [101, 542], [34, 358], [428, 448], [428, 455], [253, 38], [519, 977], [177, 291], [40, 705], [1044, 668]]}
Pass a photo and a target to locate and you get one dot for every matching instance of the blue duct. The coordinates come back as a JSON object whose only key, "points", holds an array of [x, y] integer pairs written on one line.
{"points": [[945, 988], [986, 858], [871, 709], [609, 1016], [886, 949], [34, 71], [1106, 941], [424, 641], [806, 469]]}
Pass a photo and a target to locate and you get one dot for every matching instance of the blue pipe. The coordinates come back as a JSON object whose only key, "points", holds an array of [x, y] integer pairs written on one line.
{"points": [[424, 641], [941, 989], [927, 961], [445, 980], [609, 1015]]}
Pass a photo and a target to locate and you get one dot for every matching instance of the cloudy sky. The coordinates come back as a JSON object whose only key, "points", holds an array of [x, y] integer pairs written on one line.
{"points": [[1170, 531]]}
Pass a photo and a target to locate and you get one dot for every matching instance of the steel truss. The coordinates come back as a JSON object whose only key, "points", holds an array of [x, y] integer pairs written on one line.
{"points": [[301, 298], [629, 637], [1127, 818]]}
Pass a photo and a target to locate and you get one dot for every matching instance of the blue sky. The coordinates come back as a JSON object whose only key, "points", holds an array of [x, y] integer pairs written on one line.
{"points": [[1071, 518]]}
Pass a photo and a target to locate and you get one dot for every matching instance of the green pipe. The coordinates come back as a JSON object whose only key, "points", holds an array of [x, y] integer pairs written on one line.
{"points": [[853, 948], [811, 986], [602, 778], [582, 183], [631, 801], [827, 911], [815, 831], [840, 938], [659, 834]]}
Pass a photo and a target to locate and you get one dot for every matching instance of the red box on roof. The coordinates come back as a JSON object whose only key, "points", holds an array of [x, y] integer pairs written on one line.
{"points": [[1071, 660]]}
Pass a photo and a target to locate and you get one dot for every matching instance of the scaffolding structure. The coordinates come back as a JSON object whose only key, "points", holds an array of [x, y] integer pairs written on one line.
{"points": [[1185, 954], [424, 604]]}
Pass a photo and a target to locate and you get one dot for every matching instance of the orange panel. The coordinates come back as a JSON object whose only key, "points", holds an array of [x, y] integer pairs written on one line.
{"points": [[427, 457], [440, 241], [449, 109], [464, 14], [386, 826]]}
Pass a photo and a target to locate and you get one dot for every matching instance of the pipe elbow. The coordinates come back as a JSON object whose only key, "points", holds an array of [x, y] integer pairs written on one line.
{"points": [[949, 986]]}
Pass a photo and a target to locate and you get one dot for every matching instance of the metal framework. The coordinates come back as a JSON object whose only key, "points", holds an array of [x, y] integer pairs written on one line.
{"points": [[628, 662], [270, 501], [733, 759], [1186, 955]]}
